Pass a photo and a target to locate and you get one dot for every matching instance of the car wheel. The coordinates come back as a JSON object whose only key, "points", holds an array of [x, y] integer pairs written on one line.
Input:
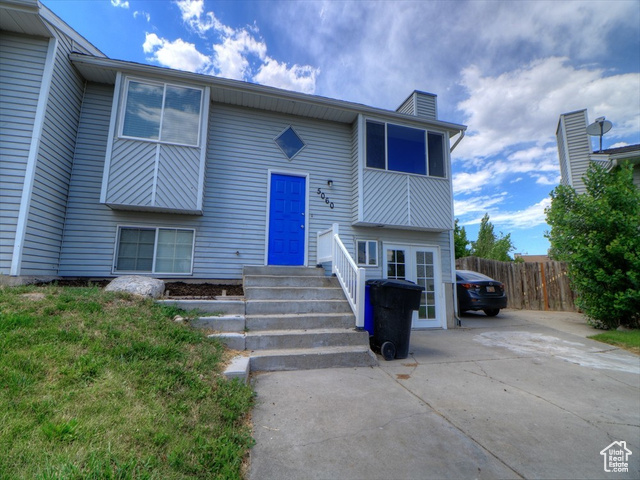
{"points": [[491, 312]]}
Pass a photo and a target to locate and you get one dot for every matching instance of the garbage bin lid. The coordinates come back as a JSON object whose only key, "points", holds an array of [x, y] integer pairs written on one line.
{"points": [[393, 283]]}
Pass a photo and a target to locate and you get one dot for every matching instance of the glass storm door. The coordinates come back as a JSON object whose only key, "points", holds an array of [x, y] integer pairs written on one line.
{"points": [[420, 265]]}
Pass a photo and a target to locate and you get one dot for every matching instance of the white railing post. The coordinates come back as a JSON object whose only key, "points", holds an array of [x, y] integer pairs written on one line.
{"points": [[360, 305]]}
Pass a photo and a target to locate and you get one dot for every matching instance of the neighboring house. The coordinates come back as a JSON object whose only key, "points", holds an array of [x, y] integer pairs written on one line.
{"points": [[575, 152], [111, 167]]}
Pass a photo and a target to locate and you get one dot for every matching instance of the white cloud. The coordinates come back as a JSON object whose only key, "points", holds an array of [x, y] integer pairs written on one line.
{"points": [[120, 3], [300, 78], [177, 54], [142, 14], [529, 217], [523, 105], [478, 205], [240, 54]]}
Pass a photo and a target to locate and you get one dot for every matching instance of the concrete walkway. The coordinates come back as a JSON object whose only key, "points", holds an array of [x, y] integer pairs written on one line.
{"points": [[522, 395]]}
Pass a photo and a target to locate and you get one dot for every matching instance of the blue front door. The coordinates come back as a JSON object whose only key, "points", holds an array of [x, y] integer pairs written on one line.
{"points": [[287, 220]]}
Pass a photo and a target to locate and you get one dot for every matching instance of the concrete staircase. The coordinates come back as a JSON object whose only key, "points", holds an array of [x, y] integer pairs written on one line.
{"points": [[297, 318]]}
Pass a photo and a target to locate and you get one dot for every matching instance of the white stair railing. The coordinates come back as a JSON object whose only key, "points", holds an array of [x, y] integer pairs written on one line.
{"points": [[351, 278]]}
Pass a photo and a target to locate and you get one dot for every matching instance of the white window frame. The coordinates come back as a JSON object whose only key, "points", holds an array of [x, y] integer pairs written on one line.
{"points": [[367, 241], [114, 269], [164, 85], [386, 148]]}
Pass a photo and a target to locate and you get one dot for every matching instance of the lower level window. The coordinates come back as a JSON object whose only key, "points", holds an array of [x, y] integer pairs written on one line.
{"points": [[367, 253], [154, 250]]}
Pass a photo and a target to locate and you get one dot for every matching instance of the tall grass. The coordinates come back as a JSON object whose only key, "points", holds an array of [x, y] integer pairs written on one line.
{"points": [[104, 385]]}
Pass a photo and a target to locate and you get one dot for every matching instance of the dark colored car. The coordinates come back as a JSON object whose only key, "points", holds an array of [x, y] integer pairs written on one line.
{"points": [[479, 292]]}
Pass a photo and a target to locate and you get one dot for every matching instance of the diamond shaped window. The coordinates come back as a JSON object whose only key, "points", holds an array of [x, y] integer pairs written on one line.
{"points": [[290, 143]]}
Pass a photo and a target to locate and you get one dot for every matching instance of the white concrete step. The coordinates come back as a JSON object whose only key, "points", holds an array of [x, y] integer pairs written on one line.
{"points": [[285, 271], [294, 293], [289, 281], [312, 358], [270, 307], [299, 321], [223, 323], [291, 339]]}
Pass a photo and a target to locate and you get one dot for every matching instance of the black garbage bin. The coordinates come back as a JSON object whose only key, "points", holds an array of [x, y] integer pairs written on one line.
{"points": [[393, 303]]}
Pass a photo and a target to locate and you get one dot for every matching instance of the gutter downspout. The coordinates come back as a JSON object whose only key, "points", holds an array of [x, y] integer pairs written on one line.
{"points": [[456, 314], [457, 141]]}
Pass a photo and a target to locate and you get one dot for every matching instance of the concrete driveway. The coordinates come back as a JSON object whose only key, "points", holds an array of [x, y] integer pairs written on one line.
{"points": [[521, 395]]}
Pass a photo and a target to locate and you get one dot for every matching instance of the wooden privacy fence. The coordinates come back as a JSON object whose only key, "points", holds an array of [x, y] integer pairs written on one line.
{"points": [[529, 286]]}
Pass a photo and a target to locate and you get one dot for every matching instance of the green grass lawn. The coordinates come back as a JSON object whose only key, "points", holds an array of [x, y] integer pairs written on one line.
{"points": [[97, 385], [628, 339]]}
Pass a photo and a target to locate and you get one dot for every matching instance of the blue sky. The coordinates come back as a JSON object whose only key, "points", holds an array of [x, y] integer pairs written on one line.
{"points": [[506, 69]]}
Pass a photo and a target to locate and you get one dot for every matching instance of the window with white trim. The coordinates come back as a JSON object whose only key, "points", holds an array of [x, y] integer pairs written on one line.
{"points": [[162, 112], [154, 250], [367, 253], [404, 149]]}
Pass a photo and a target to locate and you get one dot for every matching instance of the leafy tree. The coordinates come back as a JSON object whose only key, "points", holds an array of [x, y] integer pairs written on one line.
{"points": [[460, 241], [598, 234], [489, 246]]}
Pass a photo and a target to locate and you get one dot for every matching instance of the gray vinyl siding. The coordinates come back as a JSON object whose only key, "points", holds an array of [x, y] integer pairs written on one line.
{"points": [[562, 154], [45, 220], [134, 181], [231, 232], [402, 200], [241, 150], [420, 104], [578, 147], [426, 105], [408, 107], [22, 59]]}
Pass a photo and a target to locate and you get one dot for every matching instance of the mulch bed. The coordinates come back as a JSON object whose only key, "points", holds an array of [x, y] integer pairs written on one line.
{"points": [[175, 289]]}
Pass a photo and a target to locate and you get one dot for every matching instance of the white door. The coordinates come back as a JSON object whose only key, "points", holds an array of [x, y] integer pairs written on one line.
{"points": [[421, 265]]}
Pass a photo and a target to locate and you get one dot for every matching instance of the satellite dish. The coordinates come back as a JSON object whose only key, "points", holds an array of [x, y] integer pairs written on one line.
{"points": [[599, 128]]}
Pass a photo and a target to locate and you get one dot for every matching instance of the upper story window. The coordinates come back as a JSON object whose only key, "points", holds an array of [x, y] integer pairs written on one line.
{"points": [[404, 149], [162, 112]]}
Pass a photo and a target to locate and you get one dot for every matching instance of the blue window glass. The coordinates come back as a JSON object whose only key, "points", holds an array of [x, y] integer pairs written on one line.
{"points": [[406, 149], [176, 108], [181, 115], [144, 110], [436, 154], [290, 143], [375, 145]]}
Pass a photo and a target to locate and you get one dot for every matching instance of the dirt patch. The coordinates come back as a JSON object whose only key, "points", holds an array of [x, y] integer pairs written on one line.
{"points": [[175, 289], [201, 290]]}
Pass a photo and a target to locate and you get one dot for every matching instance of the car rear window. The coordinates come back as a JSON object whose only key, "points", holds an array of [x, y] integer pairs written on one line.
{"points": [[472, 276]]}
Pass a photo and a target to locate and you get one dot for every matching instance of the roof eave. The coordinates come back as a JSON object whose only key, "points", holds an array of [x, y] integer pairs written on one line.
{"points": [[354, 109]]}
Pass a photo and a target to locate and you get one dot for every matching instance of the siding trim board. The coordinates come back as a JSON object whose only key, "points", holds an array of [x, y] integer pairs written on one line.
{"points": [[34, 148], [112, 130]]}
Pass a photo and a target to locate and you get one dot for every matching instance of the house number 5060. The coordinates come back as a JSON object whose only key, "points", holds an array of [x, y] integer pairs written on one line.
{"points": [[325, 198]]}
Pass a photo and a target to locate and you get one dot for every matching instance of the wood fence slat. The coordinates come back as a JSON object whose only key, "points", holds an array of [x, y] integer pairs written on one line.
{"points": [[530, 286]]}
